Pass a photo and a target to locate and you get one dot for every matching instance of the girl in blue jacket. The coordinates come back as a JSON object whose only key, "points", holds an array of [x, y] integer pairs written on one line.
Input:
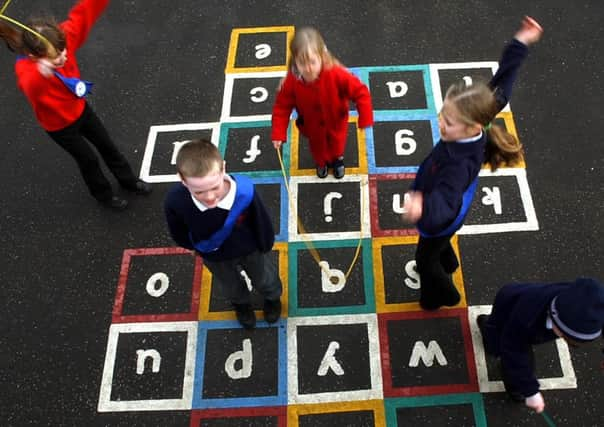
{"points": [[444, 186]]}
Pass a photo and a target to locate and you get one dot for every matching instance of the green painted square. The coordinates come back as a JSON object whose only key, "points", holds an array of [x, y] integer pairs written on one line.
{"points": [[364, 257], [394, 406]]}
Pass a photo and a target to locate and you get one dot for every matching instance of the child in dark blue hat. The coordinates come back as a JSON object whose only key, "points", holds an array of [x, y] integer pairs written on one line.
{"points": [[525, 314]]}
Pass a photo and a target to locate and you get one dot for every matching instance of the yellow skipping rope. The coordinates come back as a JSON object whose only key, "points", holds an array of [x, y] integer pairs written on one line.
{"points": [[311, 248], [52, 52]]}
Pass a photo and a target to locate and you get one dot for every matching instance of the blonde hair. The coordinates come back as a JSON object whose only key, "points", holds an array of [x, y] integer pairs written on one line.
{"points": [[477, 104], [308, 39], [198, 158]]}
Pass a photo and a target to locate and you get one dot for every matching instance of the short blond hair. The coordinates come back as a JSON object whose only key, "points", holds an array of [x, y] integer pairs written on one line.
{"points": [[198, 158]]}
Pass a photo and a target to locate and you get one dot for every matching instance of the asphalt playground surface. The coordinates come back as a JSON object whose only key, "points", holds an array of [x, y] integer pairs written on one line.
{"points": [[158, 63]]}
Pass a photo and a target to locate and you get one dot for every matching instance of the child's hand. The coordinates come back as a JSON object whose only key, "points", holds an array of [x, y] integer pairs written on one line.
{"points": [[414, 203], [277, 144], [535, 402], [530, 31]]}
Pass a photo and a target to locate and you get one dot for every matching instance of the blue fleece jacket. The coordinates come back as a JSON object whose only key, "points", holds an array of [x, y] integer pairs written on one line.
{"points": [[253, 230], [517, 322], [451, 166]]}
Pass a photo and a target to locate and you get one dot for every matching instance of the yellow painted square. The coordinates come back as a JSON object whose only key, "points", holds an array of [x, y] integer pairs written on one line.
{"points": [[295, 158], [206, 283], [234, 44], [377, 406], [508, 119], [378, 275]]}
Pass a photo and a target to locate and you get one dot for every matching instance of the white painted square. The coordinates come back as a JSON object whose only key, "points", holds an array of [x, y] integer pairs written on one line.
{"points": [[228, 95], [364, 227], [567, 380], [105, 402], [531, 223], [435, 79], [375, 392], [145, 173]]}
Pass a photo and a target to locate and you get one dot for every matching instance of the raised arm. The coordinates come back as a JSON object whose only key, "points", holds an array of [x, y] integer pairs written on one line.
{"points": [[512, 58], [80, 21]]}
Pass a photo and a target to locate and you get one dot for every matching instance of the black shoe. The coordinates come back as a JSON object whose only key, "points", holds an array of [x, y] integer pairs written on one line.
{"points": [[115, 203], [450, 297], [245, 315], [429, 305], [272, 310], [481, 321], [322, 171], [449, 262], [141, 188], [338, 169]]}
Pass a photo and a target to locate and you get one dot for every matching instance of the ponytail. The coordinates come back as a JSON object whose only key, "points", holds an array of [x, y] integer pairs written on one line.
{"points": [[502, 149], [12, 37], [42, 37], [477, 104]]}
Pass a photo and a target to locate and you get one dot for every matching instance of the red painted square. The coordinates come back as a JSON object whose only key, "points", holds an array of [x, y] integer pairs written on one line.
{"points": [[129, 254], [470, 382], [241, 416], [402, 229]]}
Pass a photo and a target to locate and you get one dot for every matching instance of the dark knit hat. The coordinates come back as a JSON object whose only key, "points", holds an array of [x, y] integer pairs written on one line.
{"points": [[578, 311]]}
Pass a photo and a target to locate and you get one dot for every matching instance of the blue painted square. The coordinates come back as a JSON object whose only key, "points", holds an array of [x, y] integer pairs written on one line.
{"points": [[280, 206], [263, 385], [408, 137], [404, 89]]}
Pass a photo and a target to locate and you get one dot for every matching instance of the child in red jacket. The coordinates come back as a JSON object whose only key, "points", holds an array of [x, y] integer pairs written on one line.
{"points": [[320, 89], [47, 73]]}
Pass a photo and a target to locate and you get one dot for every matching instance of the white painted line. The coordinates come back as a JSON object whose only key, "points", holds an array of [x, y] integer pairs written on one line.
{"points": [[375, 392], [145, 173], [566, 381], [185, 403], [228, 94], [245, 119], [364, 227], [434, 68], [531, 223]]}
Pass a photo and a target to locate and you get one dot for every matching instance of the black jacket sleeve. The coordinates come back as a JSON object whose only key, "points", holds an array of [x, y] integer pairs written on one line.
{"points": [[502, 82], [176, 226], [262, 224]]}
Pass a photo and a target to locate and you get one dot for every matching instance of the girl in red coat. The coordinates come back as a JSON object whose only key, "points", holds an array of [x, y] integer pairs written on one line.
{"points": [[47, 73], [320, 89]]}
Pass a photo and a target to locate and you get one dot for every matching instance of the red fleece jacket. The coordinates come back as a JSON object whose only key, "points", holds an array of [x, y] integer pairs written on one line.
{"points": [[323, 107], [54, 105]]}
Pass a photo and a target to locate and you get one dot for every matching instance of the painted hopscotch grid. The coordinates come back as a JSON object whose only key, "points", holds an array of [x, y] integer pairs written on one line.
{"points": [[407, 99]]}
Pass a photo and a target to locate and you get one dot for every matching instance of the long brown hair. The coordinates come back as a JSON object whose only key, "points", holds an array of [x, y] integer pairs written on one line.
{"points": [[477, 104], [308, 39], [11, 36], [26, 43]]}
